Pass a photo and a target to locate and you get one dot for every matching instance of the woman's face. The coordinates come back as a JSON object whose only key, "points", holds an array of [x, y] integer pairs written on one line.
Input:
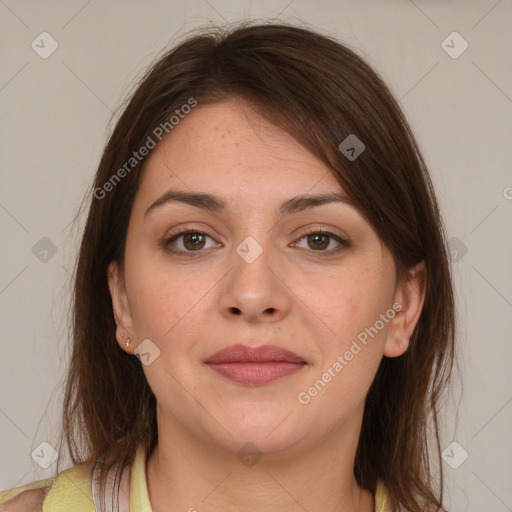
{"points": [[252, 275]]}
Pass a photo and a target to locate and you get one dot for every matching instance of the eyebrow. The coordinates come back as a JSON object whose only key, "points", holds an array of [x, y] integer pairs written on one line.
{"points": [[210, 202]]}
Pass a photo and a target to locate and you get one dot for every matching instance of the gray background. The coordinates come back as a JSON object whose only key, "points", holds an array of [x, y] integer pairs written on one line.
{"points": [[56, 115]]}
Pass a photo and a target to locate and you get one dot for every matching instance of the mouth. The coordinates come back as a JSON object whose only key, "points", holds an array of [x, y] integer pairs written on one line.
{"points": [[255, 365]]}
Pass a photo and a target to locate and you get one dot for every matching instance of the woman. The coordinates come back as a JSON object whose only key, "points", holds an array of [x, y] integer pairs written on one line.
{"points": [[263, 305]]}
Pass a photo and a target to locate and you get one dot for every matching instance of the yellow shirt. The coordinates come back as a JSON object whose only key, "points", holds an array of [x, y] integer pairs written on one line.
{"points": [[72, 490]]}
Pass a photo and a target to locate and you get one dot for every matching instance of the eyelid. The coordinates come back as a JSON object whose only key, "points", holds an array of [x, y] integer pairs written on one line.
{"points": [[342, 240], [310, 230], [168, 238]]}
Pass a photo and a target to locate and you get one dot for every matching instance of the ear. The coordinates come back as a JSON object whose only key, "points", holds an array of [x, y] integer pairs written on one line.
{"points": [[120, 305], [408, 302]]}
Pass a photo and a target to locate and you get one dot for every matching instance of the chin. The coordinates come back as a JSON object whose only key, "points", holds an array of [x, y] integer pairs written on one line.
{"points": [[270, 430]]}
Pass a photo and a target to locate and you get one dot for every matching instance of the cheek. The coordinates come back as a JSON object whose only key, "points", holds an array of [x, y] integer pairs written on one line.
{"points": [[350, 302], [162, 296], [350, 305], [351, 348]]}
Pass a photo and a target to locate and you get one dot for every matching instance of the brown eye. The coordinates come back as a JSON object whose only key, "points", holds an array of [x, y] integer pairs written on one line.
{"points": [[193, 241], [187, 242], [321, 241], [318, 241]]}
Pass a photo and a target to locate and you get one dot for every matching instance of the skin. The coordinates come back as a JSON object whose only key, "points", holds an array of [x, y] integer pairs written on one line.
{"points": [[290, 296]]}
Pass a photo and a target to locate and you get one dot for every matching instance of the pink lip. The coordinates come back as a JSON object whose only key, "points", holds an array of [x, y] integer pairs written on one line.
{"points": [[255, 366]]}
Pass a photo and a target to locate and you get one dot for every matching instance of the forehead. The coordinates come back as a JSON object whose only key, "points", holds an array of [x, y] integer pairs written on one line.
{"points": [[228, 146]]}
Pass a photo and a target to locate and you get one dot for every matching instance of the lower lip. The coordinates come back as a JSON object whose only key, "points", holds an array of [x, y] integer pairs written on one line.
{"points": [[254, 374]]}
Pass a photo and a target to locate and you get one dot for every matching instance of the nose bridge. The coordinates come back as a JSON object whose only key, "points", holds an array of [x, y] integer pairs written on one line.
{"points": [[252, 263], [253, 289], [250, 250]]}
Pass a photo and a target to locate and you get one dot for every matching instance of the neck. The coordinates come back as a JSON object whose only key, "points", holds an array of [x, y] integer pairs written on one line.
{"points": [[192, 475]]}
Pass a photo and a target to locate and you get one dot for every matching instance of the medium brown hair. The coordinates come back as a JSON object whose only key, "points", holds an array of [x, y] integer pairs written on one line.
{"points": [[320, 91]]}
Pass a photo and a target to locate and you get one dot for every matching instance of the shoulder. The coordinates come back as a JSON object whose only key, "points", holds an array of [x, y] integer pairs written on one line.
{"points": [[381, 497], [382, 501], [69, 490], [28, 498]]}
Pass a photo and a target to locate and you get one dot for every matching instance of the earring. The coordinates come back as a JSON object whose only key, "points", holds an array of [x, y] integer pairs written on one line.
{"points": [[128, 342]]}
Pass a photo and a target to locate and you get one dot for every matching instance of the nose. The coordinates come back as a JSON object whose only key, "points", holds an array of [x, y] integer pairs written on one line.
{"points": [[255, 288]]}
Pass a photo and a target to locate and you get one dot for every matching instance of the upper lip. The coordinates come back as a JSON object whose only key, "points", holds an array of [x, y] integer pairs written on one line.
{"points": [[243, 353]]}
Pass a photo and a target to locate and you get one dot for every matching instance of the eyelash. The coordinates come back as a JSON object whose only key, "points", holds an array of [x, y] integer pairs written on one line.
{"points": [[344, 244]]}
